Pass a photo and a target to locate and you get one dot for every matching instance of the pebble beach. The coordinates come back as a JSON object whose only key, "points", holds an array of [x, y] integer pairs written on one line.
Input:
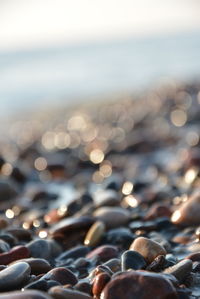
{"points": [[103, 200]]}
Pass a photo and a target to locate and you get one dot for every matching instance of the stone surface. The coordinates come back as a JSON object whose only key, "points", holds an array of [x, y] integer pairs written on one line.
{"points": [[28, 294], [14, 276], [63, 293], [180, 270], [16, 253], [95, 234], [139, 285], [38, 266], [147, 248]]}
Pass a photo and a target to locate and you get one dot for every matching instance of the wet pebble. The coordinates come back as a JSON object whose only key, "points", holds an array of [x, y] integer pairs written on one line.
{"points": [[149, 249], [27, 294], [112, 216], [62, 275], [14, 276], [44, 249], [139, 285], [95, 234], [99, 283], [131, 259], [180, 270], [16, 253], [38, 266], [104, 253]]}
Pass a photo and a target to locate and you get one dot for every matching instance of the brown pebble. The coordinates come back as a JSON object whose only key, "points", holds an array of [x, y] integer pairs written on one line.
{"points": [[61, 293], [180, 270], [105, 253], [16, 253], [99, 283], [38, 266], [95, 233], [139, 285], [148, 248], [62, 275]]}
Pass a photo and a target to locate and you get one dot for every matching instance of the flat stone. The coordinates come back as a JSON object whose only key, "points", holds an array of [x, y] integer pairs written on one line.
{"points": [[112, 216], [188, 213], [139, 285], [14, 276], [148, 248]]}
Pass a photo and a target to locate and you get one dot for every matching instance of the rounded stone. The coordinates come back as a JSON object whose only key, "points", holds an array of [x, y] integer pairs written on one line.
{"points": [[38, 266], [62, 275], [95, 234], [139, 285], [14, 276], [44, 249], [131, 259], [104, 253], [72, 224], [16, 253], [148, 248], [188, 213], [112, 216], [180, 270]]}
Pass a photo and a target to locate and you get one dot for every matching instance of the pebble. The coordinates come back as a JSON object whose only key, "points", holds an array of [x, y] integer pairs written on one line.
{"points": [[72, 224], [95, 234], [180, 270], [104, 253], [4, 247], [76, 252], [189, 211], [41, 285], [16, 253], [63, 293], [38, 266], [112, 216], [139, 285], [62, 275], [45, 249], [99, 283], [14, 276], [131, 259], [149, 249]]}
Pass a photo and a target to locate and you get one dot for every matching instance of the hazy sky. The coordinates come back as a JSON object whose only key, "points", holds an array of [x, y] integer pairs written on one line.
{"points": [[33, 23]]}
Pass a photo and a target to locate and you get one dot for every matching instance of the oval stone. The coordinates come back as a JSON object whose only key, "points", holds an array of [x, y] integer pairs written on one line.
{"points": [[14, 276], [148, 248], [95, 233], [105, 253], [62, 275], [139, 285], [112, 216], [180, 270], [38, 266]]}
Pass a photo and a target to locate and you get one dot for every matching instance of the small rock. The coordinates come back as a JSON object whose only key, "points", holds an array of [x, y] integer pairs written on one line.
{"points": [[139, 285], [62, 275], [132, 260], [16, 253], [112, 216], [95, 233], [38, 266], [180, 270], [147, 248], [27, 294], [104, 253], [59, 292], [14, 276]]}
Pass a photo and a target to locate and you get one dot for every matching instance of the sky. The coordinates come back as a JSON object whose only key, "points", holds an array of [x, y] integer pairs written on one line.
{"points": [[38, 23]]}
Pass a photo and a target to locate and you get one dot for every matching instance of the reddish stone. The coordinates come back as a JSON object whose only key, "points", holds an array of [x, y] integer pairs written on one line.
{"points": [[16, 253], [105, 253], [139, 285]]}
